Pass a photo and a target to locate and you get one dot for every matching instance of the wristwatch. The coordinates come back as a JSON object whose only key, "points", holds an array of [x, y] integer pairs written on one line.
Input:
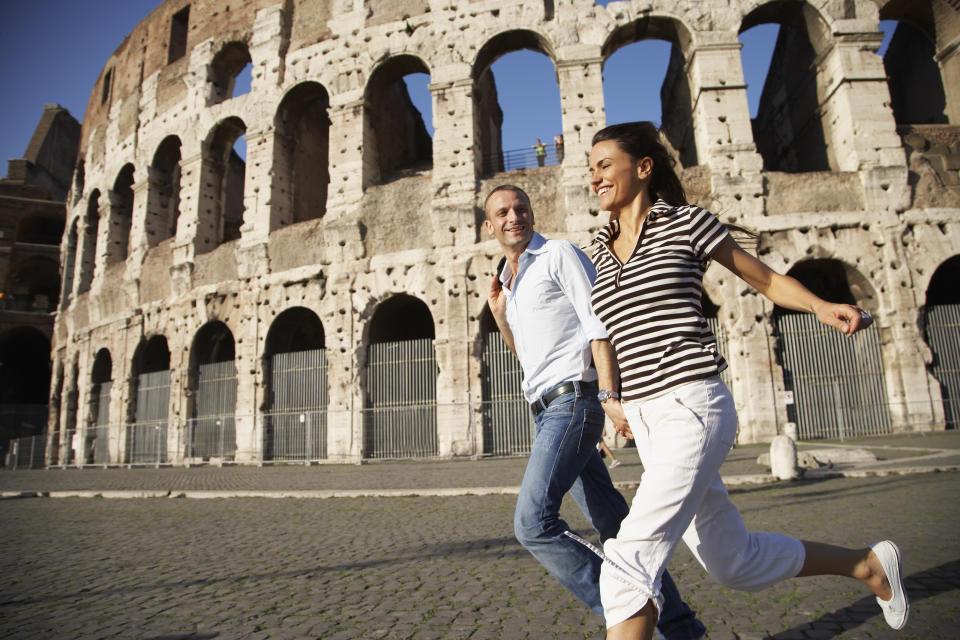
{"points": [[605, 395]]}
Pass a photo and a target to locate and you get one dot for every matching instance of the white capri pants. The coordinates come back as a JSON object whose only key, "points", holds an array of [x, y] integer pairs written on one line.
{"points": [[683, 436]]}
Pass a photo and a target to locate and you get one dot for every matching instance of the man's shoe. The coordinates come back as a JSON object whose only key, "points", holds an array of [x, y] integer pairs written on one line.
{"points": [[614, 463], [897, 608]]}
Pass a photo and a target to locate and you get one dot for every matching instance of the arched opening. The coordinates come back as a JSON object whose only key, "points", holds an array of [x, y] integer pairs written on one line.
{"points": [[121, 215], [516, 124], [917, 93], [941, 325], [40, 229], [97, 437], [163, 199], [222, 183], [88, 243], [33, 285], [788, 128], [213, 374], [24, 389], [401, 381], [295, 423], [649, 53], [301, 167], [228, 72], [508, 427], [151, 404], [396, 142], [836, 385]]}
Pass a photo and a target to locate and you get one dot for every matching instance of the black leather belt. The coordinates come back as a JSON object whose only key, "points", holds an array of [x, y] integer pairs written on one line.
{"points": [[550, 396]]}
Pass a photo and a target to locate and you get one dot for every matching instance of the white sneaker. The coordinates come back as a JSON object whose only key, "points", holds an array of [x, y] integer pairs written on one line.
{"points": [[897, 608], [614, 463]]}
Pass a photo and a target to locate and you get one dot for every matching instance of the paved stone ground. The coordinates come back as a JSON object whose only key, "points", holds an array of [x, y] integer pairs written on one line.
{"points": [[438, 567]]}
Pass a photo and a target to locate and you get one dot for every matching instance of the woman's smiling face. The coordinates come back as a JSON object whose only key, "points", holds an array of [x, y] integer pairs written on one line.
{"points": [[615, 176]]}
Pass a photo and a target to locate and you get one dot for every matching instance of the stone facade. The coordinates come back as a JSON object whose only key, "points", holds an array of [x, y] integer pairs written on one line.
{"points": [[343, 204]]}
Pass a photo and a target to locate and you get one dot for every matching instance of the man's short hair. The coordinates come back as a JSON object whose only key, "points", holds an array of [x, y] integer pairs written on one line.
{"points": [[507, 187]]}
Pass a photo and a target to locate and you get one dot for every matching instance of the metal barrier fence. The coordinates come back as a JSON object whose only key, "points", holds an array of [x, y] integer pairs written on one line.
{"points": [[401, 417], [508, 426], [147, 442], [942, 327], [837, 382], [513, 159], [211, 437], [294, 436], [26, 453]]}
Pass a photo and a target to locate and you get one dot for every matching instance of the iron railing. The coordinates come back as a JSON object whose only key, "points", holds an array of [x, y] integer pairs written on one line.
{"points": [[513, 159]]}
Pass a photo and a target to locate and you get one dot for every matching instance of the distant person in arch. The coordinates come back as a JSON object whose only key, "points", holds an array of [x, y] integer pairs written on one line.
{"points": [[541, 151], [558, 147], [540, 300], [650, 262]]}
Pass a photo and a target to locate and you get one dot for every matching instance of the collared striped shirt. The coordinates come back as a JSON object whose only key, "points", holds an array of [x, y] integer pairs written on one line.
{"points": [[651, 304]]}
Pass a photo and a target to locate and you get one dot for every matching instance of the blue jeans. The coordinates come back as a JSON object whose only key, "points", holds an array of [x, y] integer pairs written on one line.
{"points": [[565, 459]]}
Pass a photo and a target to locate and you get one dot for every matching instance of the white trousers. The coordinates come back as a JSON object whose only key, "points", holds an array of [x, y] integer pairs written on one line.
{"points": [[683, 436]]}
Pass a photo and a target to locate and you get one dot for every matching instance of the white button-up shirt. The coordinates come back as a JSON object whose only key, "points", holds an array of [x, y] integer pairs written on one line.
{"points": [[549, 313]]}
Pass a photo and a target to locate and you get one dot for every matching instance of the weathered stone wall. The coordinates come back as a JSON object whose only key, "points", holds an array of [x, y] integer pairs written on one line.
{"points": [[389, 220]]}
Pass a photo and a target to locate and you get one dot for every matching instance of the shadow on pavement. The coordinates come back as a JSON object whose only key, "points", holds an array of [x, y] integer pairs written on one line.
{"points": [[919, 586]]}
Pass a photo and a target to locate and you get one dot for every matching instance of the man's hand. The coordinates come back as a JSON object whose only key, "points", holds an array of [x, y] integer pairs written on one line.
{"points": [[614, 411], [497, 300]]}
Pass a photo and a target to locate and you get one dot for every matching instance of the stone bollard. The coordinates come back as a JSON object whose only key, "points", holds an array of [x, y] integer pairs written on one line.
{"points": [[783, 458]]}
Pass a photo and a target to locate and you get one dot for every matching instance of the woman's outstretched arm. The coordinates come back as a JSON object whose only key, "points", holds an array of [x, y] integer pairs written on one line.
{"points": [[784, 290]]}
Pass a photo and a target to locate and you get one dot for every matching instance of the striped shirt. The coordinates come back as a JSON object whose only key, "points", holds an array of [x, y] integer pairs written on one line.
{"points": [[651, 305]]}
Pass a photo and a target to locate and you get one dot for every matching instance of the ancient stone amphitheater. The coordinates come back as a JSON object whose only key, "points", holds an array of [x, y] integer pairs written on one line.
{"points": [[323, 298]]}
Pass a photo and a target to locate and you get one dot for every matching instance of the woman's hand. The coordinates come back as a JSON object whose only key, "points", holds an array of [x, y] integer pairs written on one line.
{"points": [[614, 411], [845, 318]]}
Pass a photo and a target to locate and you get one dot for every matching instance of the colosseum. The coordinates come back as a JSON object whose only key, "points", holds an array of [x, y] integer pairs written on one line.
{"points": [[323, 299]]}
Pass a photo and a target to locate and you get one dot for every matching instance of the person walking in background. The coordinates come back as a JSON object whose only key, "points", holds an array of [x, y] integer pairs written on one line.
{"points": [[606, 452], [541, 151], [540, 299], [558, 147], [650, 261]]}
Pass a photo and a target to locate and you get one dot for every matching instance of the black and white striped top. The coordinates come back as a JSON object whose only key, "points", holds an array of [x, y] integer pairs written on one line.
{"points": [[651, 305]]}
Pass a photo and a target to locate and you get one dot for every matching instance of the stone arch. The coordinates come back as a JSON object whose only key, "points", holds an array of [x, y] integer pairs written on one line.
{"points": [[675, 95], [101, 383], [939, 320], [487, 113], [917, 94], [789, 131], [232, 58], [401, 380], [163, 198], [149, 400], [395, 138], [301, 154], [213, 393], [223, 175], [121, 215], [34, 284], [88, 243], [835, 281]]}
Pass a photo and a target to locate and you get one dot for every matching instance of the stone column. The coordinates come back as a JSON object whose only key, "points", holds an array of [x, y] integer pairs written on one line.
{"points": [[346, 159], [852, 88], [580, 80], [343, 383], [185, 242], [453, 358], [454, 167], [249, 372], [258, 219]]}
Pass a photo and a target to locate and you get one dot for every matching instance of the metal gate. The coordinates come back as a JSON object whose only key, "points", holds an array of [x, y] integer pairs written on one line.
{"points": [[836, 382], [148, 434], [508, 426], [212, 433], [943, 336], [401, 418], [296, 426], [97, 449], [721, 335]]}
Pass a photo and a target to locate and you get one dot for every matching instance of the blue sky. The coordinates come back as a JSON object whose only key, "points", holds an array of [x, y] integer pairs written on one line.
{"points": [[53, 51]]}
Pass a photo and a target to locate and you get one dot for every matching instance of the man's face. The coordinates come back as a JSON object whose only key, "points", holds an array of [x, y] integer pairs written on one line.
{"points": [[509, 219]]}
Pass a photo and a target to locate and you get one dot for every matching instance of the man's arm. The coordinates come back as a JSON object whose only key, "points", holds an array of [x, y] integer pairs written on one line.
{"points": [[608, 377], [497, 300]]}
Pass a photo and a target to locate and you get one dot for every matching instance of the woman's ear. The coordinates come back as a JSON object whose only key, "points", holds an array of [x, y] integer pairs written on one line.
{"points": [[645, 168]]}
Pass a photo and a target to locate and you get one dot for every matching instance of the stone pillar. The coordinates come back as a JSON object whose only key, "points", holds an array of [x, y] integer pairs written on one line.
{"points": [[858, 123], [453, 357], [185, 242], [346, 159], [723, 132], [177, 403], [579, 74], [258, 219], [249, 372], [343, 383], [265, 50], [454, 166]]}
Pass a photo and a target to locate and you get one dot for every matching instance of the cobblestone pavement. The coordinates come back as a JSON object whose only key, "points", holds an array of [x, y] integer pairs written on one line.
{"points": [[432, 567]]}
